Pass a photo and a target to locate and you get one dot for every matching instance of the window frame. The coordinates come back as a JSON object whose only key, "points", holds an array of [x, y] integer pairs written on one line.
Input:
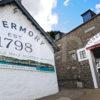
{"points": [[82, 55]]}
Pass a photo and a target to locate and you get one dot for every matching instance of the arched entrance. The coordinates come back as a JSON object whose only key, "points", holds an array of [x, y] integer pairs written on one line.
{"points": [[93, 54]]}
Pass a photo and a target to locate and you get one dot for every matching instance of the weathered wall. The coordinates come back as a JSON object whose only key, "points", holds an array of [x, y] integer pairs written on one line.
{"points": [[71, 71], [24, 82]]}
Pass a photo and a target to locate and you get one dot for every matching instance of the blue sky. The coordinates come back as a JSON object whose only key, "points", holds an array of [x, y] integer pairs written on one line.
{"points": [[69, 15]]}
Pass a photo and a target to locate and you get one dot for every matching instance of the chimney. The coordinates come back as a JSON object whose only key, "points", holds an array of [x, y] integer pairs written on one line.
{"points": [[88, 15]]}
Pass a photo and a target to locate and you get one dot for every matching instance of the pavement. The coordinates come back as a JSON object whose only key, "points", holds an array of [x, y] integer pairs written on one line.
{"points": [[75, 94]]}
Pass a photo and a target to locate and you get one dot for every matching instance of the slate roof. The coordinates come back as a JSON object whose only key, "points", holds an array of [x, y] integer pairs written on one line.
{"points": [[26, 13]]}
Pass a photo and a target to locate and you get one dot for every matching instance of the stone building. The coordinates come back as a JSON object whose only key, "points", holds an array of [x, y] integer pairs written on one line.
{"points": [[72, 61]]}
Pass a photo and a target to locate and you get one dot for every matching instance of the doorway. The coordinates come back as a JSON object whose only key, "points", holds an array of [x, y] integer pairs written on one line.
{"points": [[96, 55]]}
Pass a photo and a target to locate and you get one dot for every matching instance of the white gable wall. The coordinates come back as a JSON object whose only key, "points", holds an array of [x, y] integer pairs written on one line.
{"points": [[23, 84]]}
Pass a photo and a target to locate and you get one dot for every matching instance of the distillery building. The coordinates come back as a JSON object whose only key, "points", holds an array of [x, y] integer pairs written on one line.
{"points": [[78, 58], [27, 65]]}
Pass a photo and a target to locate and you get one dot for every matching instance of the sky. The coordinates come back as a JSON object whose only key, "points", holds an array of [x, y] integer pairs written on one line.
{"points": [[60, 15]]}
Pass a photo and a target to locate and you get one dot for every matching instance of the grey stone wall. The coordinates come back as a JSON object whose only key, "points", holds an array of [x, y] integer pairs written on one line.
{"points": [[71, 71]]}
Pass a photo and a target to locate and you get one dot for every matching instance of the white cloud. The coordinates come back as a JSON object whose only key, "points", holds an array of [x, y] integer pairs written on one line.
{"points": [[41, 10], [66, 2], [97, 7]]}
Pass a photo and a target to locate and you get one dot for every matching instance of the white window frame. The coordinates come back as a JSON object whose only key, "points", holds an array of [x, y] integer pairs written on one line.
{"points": [[79, 54]]}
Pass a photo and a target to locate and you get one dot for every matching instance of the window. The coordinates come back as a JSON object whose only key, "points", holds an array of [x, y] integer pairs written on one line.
{"points": [[73, 55], [81, 54]]}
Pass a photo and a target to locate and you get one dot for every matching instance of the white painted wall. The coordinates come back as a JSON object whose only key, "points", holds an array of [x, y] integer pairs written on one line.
{"points": [[23, 84], [26, 85], [39, 52]]}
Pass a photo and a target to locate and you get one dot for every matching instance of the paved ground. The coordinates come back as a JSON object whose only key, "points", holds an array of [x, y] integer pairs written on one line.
{"points": [[75, 94]]}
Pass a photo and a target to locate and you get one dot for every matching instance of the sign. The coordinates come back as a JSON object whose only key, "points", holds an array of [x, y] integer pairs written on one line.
{"points": [[21, 44], [27, 63], [89, 29], [95, 40]]}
